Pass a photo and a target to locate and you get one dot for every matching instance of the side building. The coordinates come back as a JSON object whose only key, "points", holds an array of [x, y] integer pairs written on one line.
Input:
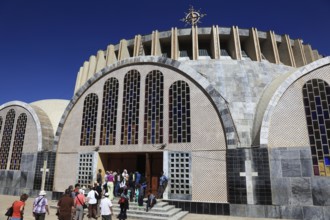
{"points": [[27, 137]]}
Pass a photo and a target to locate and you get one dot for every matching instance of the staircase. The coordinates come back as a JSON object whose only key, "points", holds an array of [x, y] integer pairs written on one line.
{"points": [[160, 211]]}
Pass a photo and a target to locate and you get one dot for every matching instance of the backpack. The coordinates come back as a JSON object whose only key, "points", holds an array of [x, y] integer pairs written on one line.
{"points": [[97, 194]]}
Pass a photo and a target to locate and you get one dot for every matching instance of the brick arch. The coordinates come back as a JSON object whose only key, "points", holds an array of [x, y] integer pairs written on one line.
{"points": [[265, 125], [216, 98], [35, 117]]}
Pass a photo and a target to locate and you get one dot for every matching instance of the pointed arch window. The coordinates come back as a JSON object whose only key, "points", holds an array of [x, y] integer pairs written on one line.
{"points": [[109, 112], [316, 95], [179, 113], [131, 106], [6, 138], [89, 119], [153, 108], [16, 154]]}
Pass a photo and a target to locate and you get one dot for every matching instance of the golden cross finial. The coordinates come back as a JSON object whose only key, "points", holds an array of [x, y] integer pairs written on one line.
{"points": [[193, 17]]}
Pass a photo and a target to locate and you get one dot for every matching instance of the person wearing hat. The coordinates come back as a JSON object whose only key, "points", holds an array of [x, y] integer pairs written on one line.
{"points": [[106, 207], [40, 206]]}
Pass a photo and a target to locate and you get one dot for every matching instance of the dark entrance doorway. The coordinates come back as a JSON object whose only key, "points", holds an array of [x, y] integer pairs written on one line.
{"points": [[148, 164]]}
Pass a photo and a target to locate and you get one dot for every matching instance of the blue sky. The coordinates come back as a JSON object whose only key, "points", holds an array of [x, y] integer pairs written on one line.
{"points": [[44, 42]]}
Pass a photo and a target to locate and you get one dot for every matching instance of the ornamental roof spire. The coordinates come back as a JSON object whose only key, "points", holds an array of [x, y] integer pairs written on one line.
{"points": [[193, 17]]}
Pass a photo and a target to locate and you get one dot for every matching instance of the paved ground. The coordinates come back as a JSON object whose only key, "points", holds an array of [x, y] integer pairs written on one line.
{"points": [[6, 201]]}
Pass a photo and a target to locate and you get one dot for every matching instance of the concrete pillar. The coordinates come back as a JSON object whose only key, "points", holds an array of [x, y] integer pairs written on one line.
{"points": [[78, 80], [92, 66], [308, 53], [285, 52], [298, 53], [111, 55], [85, 73], [138, 46], [316, 55], [194, 37], [215, 43], [234, 44], [155, 44], [100, 61], [252, 47], [174, 44], [269, 48], [123, 50]]}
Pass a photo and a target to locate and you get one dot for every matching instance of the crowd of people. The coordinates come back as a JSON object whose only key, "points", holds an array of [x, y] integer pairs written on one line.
{"points": [[128, 187]]}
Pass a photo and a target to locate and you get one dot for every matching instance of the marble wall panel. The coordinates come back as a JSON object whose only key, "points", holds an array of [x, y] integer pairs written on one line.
{"points": [[313, 213], [326, 211], [276, 167], [281, 191], [9, 177], [321, 191], [301, 193], [291, 212], [291, 168], [2, 178], [23, 179], [238, 210], [16, 180], [30, 180], [255, 211], [272, 211], [306, 167]]}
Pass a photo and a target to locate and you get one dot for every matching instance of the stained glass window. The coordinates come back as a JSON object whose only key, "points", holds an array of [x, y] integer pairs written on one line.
{"points": [[179, 113], [316, 94], [6, 138], [16, 154], [153, 110], [109, 112], [130, 110], [89, 119]]}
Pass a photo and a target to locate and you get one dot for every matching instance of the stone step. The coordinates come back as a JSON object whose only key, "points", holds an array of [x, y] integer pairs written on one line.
{"points": [[155, 208], [151, 212], [160, 211], [159, 203], [178, 216]]}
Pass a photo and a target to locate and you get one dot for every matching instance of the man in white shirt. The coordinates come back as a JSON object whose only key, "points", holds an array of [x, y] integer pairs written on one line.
{"points": [[92, 203], [106, 207]]}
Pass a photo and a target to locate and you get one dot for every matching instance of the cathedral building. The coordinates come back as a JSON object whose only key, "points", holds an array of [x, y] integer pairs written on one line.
{"points": [[238, 119]]}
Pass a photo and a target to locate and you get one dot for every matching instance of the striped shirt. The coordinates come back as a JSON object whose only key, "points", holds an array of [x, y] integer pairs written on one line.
{"points": [[40, 206]]}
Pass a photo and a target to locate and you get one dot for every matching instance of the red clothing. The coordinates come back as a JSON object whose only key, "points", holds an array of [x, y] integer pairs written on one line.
{"points": [[17, 209], [79, 200]]}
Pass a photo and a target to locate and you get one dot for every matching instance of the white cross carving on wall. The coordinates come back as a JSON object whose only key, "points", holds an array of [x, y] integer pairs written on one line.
{"points": [[249, 185]]}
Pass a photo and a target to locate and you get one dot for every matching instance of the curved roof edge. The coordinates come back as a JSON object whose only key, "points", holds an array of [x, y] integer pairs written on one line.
{"points": [[264, 130], [54, 108], [267, 94]]}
